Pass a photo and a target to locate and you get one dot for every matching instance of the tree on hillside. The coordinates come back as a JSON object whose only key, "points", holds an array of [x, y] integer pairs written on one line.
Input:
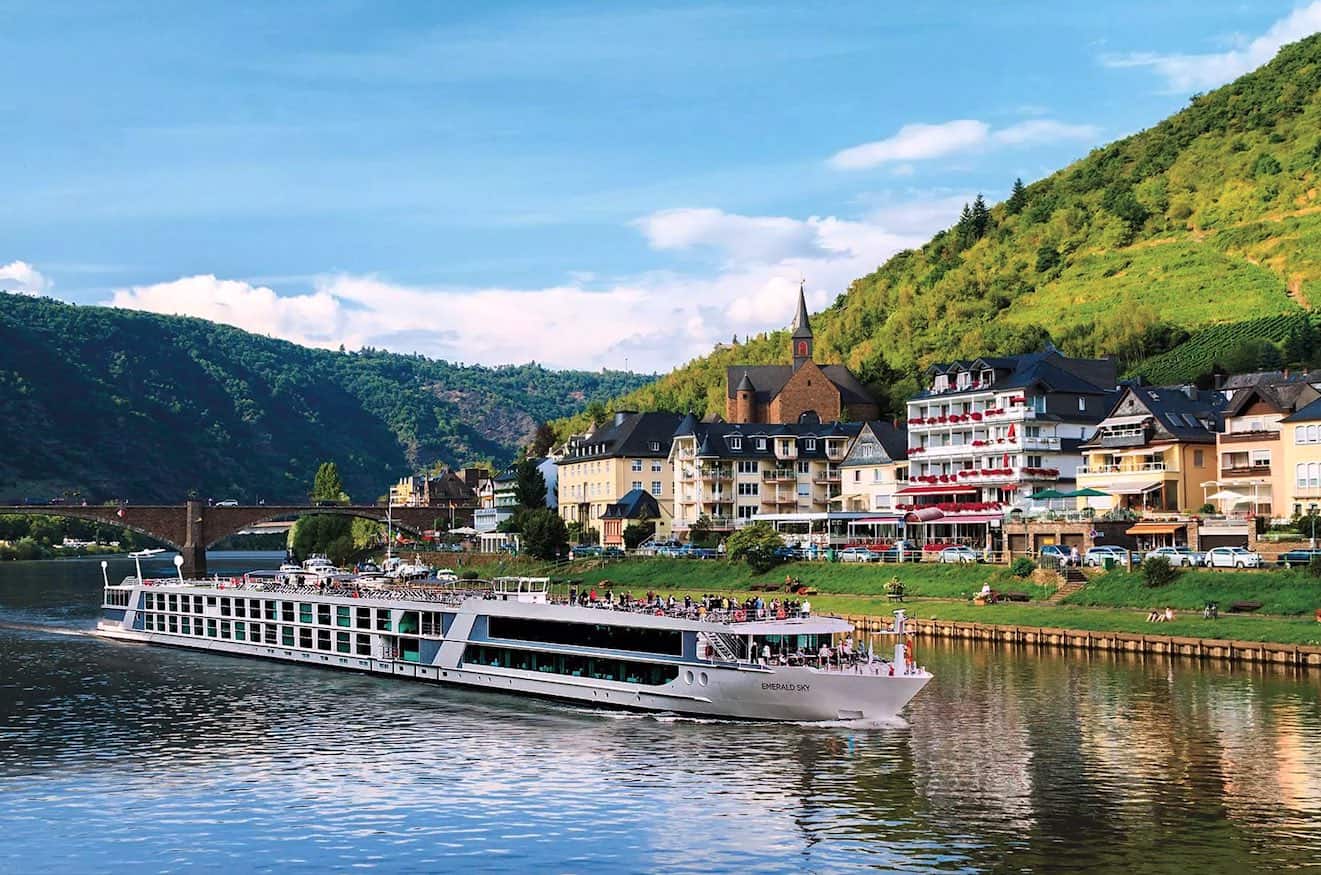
{"points": [[1300, 345], [542, 441], [544, 534], [1017, 198], [981, 217], [529, 484], [327, 486]]}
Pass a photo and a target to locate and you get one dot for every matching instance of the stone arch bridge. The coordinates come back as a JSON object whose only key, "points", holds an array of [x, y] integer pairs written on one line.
{"points": [[192, 527]]}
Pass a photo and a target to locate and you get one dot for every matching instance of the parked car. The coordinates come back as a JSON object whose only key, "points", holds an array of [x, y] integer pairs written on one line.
{"points": [[959, 554], [1096, 556], [688, 551], [858, 554], [1185, 556], [1232, 557], [1295, 558], [790, 553], [612, 553], [1058, 552], [228, 502], [658, 547], [584, 551]]}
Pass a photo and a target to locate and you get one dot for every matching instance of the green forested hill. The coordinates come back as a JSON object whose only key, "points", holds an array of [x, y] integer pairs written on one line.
{"points": [[1210, 217], [118, 403]]}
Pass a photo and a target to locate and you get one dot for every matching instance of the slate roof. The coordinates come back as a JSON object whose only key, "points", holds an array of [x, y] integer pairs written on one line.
{"points": [[1309, 413], [629, 435], [893, 440], [714, 438], [1178, 413], [1046, 368], [1285, 397], [770, 379], [802, 327], [636, 504]]}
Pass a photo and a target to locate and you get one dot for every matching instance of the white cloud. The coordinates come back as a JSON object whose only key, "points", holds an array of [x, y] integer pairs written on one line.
{"points": [[653, 321], [919, 142], [916, 142], [1191, 72], [1043, 131], [21, 277]]}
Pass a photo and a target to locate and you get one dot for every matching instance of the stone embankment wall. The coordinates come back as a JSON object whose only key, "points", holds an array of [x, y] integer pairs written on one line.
{"points": [[1122, 642]]}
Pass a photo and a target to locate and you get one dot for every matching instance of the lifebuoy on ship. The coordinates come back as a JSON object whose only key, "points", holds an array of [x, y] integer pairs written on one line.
{"points": [[739, 616]]}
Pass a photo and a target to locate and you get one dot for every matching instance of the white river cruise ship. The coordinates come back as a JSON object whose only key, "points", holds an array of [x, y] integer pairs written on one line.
{"points": [[509, 635]]}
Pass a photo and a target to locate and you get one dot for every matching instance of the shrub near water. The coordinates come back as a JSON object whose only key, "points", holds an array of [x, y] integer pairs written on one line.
{"points": [[1157, 571]]}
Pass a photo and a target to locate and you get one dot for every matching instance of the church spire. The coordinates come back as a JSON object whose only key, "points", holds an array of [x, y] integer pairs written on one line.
{"points": [[801, 339]]}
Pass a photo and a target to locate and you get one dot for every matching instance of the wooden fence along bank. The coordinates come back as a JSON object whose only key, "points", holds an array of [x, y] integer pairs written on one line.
{"points": [[1119, 642]]}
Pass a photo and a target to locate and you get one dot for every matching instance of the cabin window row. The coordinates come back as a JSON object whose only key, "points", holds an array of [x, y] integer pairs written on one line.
{"points": [[341, 616], [600, 668], [257, 633], [605, 637]]}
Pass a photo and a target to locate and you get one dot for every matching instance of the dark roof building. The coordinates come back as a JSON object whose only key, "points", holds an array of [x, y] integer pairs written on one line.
{"points": [[783, 393]]}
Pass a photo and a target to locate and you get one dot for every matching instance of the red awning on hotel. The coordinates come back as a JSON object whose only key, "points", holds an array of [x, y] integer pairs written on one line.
{"points": [[935, 490]]}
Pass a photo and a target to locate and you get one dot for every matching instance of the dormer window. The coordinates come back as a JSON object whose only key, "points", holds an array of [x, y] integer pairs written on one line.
{"points": [[655, 446], [736, 443], [942, 382], [988, 377], [965, 379], [810, 444], [761, 443]]}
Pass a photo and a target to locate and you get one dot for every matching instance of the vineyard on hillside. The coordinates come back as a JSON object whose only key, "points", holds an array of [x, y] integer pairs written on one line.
{"points": [[1215, 346]]}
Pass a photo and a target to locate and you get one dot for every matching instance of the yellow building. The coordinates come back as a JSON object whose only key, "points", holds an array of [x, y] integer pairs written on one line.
{"points": [[875, 469], [597, 469], [1155, 449]]}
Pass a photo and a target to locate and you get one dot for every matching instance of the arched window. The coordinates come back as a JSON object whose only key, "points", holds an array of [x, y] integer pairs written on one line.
{"points": [[802, 348]]}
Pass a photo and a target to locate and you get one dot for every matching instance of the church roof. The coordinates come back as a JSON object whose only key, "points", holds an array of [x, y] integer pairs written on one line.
{"points": [[770, 379], [802, 327], [745, 384]]}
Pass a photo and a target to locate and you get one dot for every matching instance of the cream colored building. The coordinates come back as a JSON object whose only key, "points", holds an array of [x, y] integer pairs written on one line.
{"points": [[875, 469], [1254, 477], [1300, 445], [732, 473], [597, 469]]}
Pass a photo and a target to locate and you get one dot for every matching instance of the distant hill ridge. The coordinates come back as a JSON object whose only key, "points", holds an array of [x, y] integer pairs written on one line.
{"points": [[119, 403], [1209, 218]]}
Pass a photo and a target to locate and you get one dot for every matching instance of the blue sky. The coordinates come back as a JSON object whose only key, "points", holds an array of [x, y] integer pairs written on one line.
{"points": [[582, 185]]}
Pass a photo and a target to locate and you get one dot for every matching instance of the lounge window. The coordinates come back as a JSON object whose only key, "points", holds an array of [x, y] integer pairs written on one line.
{"points": [[305, 638], [287, 636], [342, 616], [269, 634], [383, 622], [323, 615], [240, 632], [226, 607], [210, 628], [304, 612], [226, 630], [364, 645], [609, 637], [364, 618], [573, 665], [287, 611], [342, 644], [239, 610], [272, 612]]}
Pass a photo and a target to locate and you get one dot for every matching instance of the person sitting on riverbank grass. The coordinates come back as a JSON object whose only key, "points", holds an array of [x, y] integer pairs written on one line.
{"points": [[1158, 616]]}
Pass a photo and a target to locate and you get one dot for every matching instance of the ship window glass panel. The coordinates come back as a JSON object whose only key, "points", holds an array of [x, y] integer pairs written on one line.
{"points": [[342, 642], [573, 665], [383, 622], [210, 627], [269, 634], [408, 623], [226, 630], [364, 645], [287, 611], [239, 610], [174, 623], [342, 616], [185, 626], [226, 607], [408, 649], [364, 618], [323, 615], [323, 639], [148, 599], [174, 602], [606, 637], [271, 611], [210, 601], [197, 604], [304, 612], [305, 638], [240, 631], [287, 636]]}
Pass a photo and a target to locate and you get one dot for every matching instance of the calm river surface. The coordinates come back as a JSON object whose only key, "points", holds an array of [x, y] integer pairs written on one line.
{"points": [[124, 758]]}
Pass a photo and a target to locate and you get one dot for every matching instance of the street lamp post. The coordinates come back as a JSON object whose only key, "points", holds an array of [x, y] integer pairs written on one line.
{"points": [[105, 575], [178, 565]]}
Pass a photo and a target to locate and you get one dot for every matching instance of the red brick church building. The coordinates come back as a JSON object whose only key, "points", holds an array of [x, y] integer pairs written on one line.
{"points": [[783, 393]]}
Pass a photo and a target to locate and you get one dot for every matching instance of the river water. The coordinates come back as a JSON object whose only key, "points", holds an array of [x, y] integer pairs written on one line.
{"points": [[124, 758]]}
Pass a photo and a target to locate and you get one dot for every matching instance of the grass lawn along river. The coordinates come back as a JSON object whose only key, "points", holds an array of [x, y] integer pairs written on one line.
{"points": [[1115, 601]]}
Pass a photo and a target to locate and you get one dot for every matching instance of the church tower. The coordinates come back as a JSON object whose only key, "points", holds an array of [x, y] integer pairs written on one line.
{"points": [[802, 333]]}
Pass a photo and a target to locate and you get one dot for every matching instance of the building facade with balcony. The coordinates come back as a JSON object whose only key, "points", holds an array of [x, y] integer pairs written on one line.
{"points": [[733, 473], [499, 500], [992, 431], [595, 470], [1254, 479], [1155, 450], [875, 469]]}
